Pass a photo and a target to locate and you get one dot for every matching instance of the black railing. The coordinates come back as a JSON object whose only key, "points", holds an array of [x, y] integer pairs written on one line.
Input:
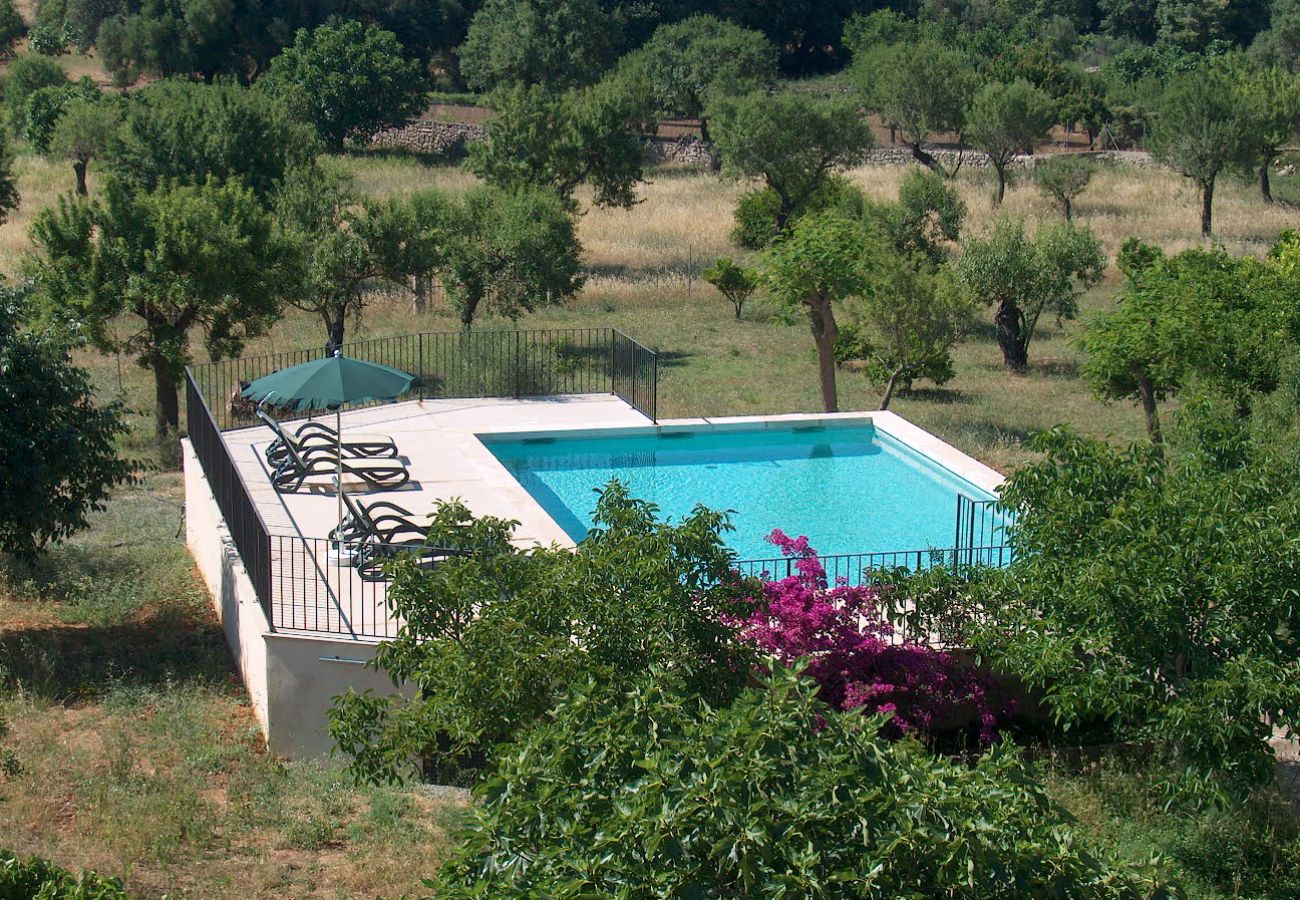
{"points": [[862, 568], [466, 364], [247, 529], [634, 374], [981, 524], [321, 586]]}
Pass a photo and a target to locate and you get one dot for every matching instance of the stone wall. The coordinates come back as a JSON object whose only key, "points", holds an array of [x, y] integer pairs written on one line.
{"points": [[448, 140], [442, 140]]}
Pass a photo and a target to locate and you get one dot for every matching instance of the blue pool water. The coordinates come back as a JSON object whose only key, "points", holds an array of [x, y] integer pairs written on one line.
{"points": [[849, 489]]}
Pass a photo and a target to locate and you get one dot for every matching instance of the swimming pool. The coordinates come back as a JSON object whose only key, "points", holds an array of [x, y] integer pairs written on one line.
{"points": [[851, 488]]}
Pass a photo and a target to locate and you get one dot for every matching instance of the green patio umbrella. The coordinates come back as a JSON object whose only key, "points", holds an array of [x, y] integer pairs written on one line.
{"points": [[329, 383]]}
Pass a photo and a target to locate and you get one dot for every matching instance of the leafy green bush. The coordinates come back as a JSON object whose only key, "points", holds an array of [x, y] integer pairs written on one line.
{"points": [[493, 638], [657, 793], [1159, 597], [37, 879], [26, 74]]}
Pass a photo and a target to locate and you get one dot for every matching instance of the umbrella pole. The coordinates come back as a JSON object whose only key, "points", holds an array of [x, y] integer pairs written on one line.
{"points": [[338, 477]]}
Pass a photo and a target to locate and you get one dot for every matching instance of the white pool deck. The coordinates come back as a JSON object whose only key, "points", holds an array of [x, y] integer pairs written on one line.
{"points": [[438, 440]]}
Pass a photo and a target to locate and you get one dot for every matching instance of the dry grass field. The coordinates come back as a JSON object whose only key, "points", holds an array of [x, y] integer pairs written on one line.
{"points": [[644, 266]]}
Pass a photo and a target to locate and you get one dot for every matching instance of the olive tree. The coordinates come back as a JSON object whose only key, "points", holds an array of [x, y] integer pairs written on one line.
{"points": [[905, 322], [558, 44], [925, 89], [348, 79], [735, 282], [1198, 127], [1004, 120], [83, 133], [12, 27], [1022, 277], [542, 139], [1063, 178], [1270, 106], [825, 259], [344, 245], [792, 144], [9, 198], [26, 74], [692, 63], [58, 456], [162, 264], [185, 132]]}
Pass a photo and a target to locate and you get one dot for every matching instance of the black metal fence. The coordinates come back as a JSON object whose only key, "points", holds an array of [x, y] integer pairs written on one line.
{"points": [[981, 526], [464, 364], [321, 586], [634, 374], [247, 529], [859, 568]]}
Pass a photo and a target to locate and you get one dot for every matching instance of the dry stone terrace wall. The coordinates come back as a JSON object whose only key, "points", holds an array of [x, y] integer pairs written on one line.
{"points": [[444, 140], [448, 141]]}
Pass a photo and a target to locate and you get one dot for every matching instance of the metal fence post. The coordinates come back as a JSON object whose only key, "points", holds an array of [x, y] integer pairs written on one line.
{"points": [[654, 401], [421, 372]]}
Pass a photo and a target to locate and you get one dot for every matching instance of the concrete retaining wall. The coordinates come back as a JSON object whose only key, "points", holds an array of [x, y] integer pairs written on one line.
{"points": [[291, 678]]}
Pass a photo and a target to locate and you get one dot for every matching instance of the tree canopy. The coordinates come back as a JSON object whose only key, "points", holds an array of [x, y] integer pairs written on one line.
{"points": [[540, 139], [493, 636], [180, 257], [648, 788], [512, 252], [348, 79], [1004, 120], [558, 44], [186, 133], [825, 259], [1156, 598], [1021, 277], [689, 65], [791, 144], [58, 454], [1198, 127]]}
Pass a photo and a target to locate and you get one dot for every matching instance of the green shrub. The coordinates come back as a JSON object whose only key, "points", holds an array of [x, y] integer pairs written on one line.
{"points": [[775, 795], [493, 638], [1159, 597], [37, 879], [26, 74]]}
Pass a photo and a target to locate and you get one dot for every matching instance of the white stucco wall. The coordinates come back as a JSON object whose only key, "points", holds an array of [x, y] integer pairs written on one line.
{"points": [[291, 678], [228, 584]]}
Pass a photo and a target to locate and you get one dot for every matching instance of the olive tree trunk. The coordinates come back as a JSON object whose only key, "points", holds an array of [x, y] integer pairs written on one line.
{"points": [[1147, 396], [1010, 326], [890, 386], [167, 405], [1207, 206]]}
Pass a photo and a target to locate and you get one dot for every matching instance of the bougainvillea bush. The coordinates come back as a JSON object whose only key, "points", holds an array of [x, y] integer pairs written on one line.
{"points": [[857, 658]]}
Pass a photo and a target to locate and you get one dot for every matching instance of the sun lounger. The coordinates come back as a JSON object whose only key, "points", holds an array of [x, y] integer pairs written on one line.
{"points": [[380, 521], [311, 436], [299, 466], [378, 532]]}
